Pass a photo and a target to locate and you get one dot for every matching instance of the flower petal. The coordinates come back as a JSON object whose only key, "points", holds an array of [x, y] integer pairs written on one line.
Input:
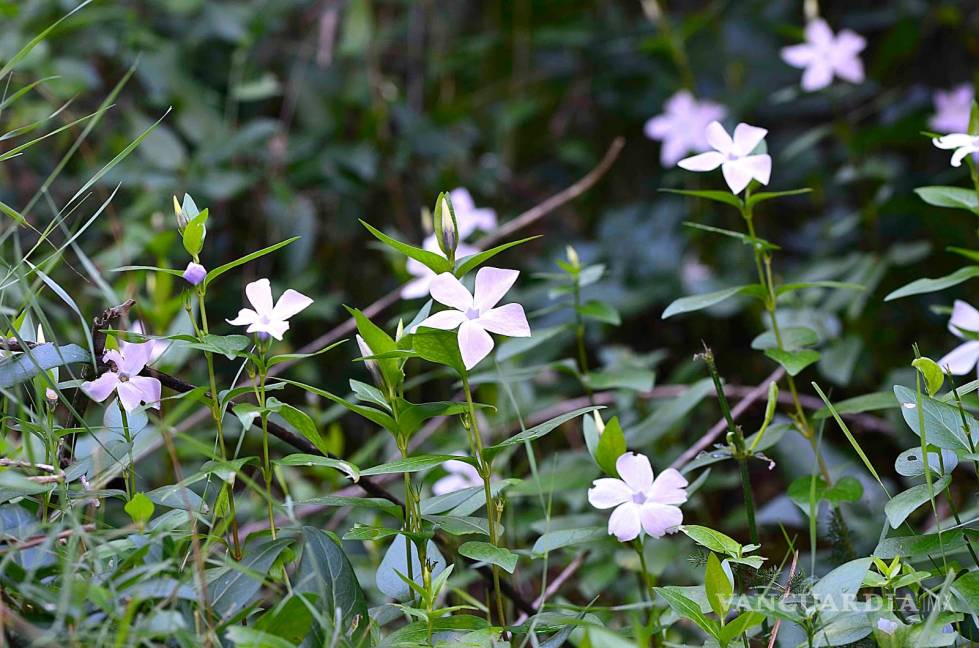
{"points": [[817, 76], [850, 42], [669, 488], [260, 295], [275, 328], [953, 141], [634, 469], [703, 162], [491, 285], [509, 320], [798, 56], [624, 522], [290, 303], [718, 138], [747, 137], [760, 167], [114, 357], [102, 387], [135, 356], [474, 343], [448, 290], [149, 388], [660, 519], [129, 395], [736, 174], [850, 69], [658, 127], [245, 317], [961, 153], [608, 492], [961, 359], [417, 287], [964, 318], [818, 32], [445, 320]]}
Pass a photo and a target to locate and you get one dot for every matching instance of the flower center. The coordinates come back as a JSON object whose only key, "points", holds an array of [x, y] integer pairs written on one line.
{"points": [[123, 377], [472, 313], [639, 498], [264, 320], [731, 157]]}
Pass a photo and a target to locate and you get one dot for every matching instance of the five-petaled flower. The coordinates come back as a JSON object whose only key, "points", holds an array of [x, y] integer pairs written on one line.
{"points": [[469, 219], [461, 475], [952, 109], [123, 377], [734, 156], [824, 55], [269, 319], [962, 143], [681, 126], [641, 502], [475, 315], [964, 320]]}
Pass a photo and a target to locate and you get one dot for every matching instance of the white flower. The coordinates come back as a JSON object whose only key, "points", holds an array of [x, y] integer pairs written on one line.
{"points": [[461, 475], [734, 156], [475, 315], [952, 109], [469, 217], [962, 358], [124, 378], [887, 626], [963, 143], [641, 503], [269, 319], [681, 126], [824, 55]]}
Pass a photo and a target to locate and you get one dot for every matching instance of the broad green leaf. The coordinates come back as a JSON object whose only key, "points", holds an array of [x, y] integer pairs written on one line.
{"points": [[904, 504], [943, 421], [760, 243], [24, 366], [237, 587], [933, 374], [719, 588], [305, 425], [600, 312], [955, 197], [769, 195], [245, 637], [717, 196], [194, 233], [865, 403], [469, 263], [537, 431], [486, 552], [688, 609], [922, 286], [568, 538], [845, 489], [713, 540], [391, 573], [921, 546], [611, 446], [411, 464], [230, 346], [706, 300], [231, 265], [793, 339], [740, 624], [300, 459], [793, 361], [412, 415], [842, 583], [291, 619], [440, 347], [371, 414], [435, 262], [140, 509], [360, 532]]}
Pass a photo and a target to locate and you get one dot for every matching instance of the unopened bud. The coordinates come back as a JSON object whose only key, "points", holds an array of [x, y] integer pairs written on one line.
{"points": [[182, 219], [446, 229], [401, 330], [195, 273], [365, 351], [573, 257]]}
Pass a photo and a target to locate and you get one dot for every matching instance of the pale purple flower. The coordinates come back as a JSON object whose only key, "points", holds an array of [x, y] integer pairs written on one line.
{"points": [[962, 143], [952, 109], [268, 318], [423, 275], [159, 346], [469, 217], [641, 502], [887, 626], [962, 358], [195, 273], [477, 316], [461, 475], [734, 156], [123, 377], [681, 127], [825, 55]]}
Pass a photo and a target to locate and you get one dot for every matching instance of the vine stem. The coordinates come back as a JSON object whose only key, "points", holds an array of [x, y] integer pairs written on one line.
{"points": [[485, 470], [266, 460]]}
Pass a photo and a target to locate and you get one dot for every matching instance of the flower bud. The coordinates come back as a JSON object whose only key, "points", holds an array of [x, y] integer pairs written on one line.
{"points": [[365, 351], [573, 258], [446, 229], [182, 219], [195, 273]]}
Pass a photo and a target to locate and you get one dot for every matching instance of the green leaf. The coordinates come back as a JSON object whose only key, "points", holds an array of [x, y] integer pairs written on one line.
{"points": [[467, 264], [769, 195], [412, 415], [435, 262], [922, 286], [842, 584], [793, 361], [760, 243], [954, 197], [411, 464], [921, 546], [793, 339], [865, 403], [932, 373], [600, 312], [374, 415], [611, 446], [486, 552], [536, 432], [568, 538], [237, 587], [379, 342], [300, 459], [717, 196], [688, 609], [305, 425], [719, 588], [326, 572], [739, 625], [943, 421], [194, 233], [713, 540], [220, 270], [846, 489], [24, 366], [230, 346], [786, 289], [244, 637], [706, 300], [440, 347], [140, 509], [291, 619], [904, 504], [173, 272]]}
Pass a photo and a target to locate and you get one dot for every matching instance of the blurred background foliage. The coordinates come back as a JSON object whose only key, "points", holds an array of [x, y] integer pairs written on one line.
{"points": [[299, 117]]}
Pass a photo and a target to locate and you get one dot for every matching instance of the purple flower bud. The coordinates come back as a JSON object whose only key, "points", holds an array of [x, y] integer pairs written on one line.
{"points": [[195, 273]]}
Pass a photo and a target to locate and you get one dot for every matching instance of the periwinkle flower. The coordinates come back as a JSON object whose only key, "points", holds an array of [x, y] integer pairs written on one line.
{"points": [[734, 156], [962, 359], [825, 55], [681, 126], [195, 273], [952, 109], [123, 377], [962, 143], [268, 318], [887, 626], [476, 316], [641, 503], [159, 346], [461, 475], [469, 217]]}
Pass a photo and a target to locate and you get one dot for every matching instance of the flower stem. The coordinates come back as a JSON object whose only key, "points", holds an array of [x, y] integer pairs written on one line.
{"points": [[129, 477], [580, 339]]}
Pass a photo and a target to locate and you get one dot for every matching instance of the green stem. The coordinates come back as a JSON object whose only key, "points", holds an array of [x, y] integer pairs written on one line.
{"points": [[580, 339], [266, 459], [129, 477]]}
